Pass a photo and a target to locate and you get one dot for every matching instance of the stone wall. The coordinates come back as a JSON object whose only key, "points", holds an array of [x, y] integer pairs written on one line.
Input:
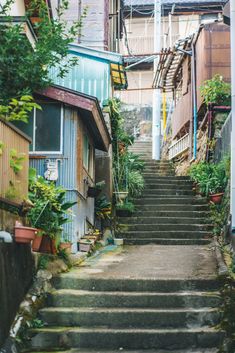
{"points": [[223, 143], [137, 117], [16, 272]]}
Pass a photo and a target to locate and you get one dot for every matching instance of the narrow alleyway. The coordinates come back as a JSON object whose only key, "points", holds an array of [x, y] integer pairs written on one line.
{"points": [[159, 294]]}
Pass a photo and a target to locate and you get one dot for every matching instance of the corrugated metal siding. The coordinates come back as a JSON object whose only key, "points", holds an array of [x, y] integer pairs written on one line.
{"points": [[67, 164], [89, 76]]}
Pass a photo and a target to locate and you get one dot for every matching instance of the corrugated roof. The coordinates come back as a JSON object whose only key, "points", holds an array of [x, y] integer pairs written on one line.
{"points": [[166, 2]]}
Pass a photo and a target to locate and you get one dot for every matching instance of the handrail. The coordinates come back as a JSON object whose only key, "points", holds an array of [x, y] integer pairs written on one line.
{"points": [[179, 147]]}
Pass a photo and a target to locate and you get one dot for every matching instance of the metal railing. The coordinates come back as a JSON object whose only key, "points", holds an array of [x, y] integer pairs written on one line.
{"points": [[179, 147]]}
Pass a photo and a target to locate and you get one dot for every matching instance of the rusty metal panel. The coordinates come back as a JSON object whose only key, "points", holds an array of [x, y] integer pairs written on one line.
{"points": [[182, 113], [213, 54]]}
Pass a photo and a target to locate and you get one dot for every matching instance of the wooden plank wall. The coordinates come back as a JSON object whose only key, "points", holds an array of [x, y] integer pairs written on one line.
{"points": [[10, 181]]}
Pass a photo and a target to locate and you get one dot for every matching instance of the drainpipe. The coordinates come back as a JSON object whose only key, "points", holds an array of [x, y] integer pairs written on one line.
{"points": [[232, 33], [194, 91]]}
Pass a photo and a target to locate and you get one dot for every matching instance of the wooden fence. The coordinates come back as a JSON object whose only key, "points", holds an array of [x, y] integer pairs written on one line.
{"points": [[13, 184]]}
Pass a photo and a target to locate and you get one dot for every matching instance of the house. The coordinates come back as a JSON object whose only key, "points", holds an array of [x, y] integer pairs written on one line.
{"points": [[98, 73], [180, 18], [102, 26], [65, 135], [211, 45]]}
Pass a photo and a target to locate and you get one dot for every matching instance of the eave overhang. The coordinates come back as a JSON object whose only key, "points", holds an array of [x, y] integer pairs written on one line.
{"points": [[89, 110]]}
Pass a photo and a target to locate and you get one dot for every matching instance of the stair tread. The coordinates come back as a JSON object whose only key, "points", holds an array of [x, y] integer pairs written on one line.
{"points": [[128, 310], [58, 329], [132, 293]]}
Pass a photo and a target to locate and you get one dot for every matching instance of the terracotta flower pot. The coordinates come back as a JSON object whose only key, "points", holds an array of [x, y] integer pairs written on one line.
{"points": [[24, 235], [37, 243], [216, 198], [48, 245], [66, 246]]}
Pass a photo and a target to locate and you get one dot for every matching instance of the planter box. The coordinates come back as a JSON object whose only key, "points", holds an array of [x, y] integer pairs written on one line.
{"points": [[84, 246]]}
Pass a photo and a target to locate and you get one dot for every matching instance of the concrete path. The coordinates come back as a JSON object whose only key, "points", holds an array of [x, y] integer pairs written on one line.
{"points": [[151, 261]]}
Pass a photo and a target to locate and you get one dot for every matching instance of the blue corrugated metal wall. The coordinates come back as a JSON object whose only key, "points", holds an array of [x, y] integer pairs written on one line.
{"points": [[67, 165], [90, 76]]}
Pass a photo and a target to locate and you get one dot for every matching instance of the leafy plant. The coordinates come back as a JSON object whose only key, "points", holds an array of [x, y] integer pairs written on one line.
{"points": [[216, 91], [210, 177], [16, 160], [24, 69], [126, 206], [102, 207], [50, 209], [18, 109], [1, 147], [135, 183]]}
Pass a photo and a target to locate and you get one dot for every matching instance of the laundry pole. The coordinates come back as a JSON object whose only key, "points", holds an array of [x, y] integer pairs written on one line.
{"points": [[156, 121]]}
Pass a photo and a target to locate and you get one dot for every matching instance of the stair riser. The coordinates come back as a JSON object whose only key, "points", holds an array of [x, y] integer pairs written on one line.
{"points": [[127, 340], [106, 300], [135, 285], [171, 207], [184, 228], [163, 220], [127, 319], [165, 241], [175, 201], [163, 214], [166, 192], [153, 187]]}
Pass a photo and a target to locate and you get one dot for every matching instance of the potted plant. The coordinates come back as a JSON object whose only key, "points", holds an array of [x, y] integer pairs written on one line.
{"points": [[66, 245], [24, 235], [49, 213], [125, 209], [94, 191]]}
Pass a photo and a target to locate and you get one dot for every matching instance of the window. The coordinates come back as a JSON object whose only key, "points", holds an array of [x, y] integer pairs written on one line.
{"points": [[44, 128], [87, 154]]}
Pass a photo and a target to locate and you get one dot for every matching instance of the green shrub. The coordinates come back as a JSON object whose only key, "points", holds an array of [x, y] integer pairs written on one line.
{"points": [[216, 91], [210, 177]]}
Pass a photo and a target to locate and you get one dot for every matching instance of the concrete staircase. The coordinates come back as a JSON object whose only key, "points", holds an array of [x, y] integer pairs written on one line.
{"points": [[111, 314], [111, 309], [168, 212]]}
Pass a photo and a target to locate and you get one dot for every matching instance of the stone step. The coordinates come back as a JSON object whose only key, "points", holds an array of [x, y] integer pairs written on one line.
{"points": [[165, 241], [82, 298], [60, 337], [165, 232], [202, 350], [134, 317], [70, 281], [170, 186], [167, 229], [172, 207], [174, 214], [159, 173], [179, 200], [182, 220], [168, 192], [168, 179]]}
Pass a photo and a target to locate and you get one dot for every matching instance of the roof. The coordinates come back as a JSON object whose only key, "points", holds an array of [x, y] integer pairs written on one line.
{"points": [[89, 109], [114, 59]]}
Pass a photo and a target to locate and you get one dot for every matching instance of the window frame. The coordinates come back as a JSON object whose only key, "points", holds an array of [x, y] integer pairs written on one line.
{"points": [[60, 152]]}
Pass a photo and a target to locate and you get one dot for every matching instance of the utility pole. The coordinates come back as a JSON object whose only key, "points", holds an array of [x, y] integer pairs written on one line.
{"points": [[156, 123], [232, 33]]}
